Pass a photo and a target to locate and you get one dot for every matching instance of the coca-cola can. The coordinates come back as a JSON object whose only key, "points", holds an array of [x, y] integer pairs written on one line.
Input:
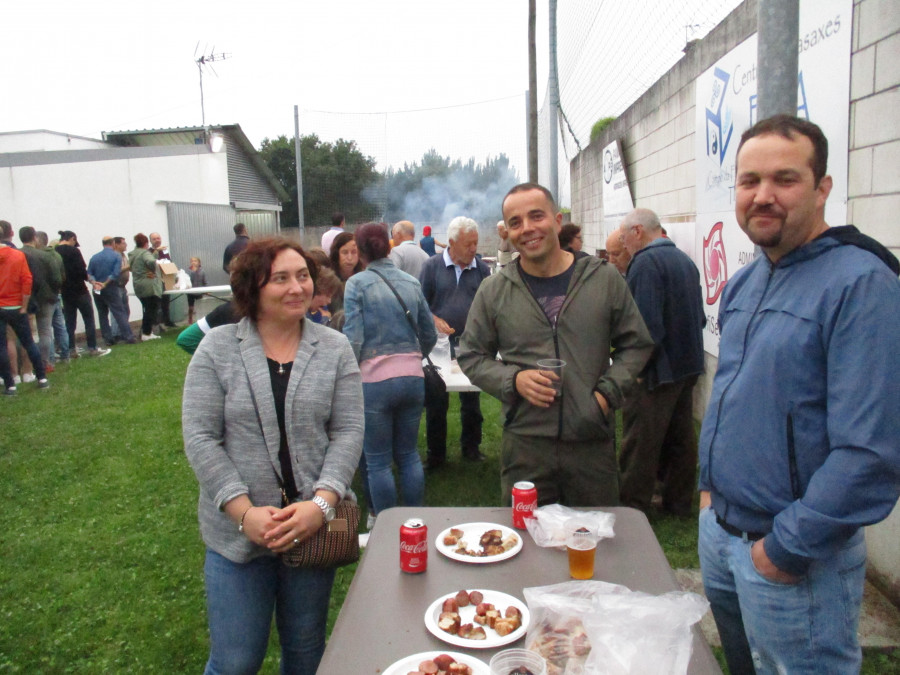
{"points": [[524, 502], [414, 546]]}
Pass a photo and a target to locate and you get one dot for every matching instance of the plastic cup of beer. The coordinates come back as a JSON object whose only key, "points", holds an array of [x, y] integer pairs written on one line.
{"points": [[581, 544], [518, 661], [555, 366]]}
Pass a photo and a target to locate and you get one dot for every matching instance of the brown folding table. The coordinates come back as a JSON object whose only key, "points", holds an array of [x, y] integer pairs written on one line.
{"points": [[382, 619]]}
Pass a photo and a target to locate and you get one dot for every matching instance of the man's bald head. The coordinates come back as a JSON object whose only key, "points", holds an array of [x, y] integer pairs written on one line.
{"points": [[615, 249], [403, 231]]}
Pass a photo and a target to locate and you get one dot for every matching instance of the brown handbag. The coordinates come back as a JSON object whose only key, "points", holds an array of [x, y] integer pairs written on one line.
{"points": [[335, 544]]}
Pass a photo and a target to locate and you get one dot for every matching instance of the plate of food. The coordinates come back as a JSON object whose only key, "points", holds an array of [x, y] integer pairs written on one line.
{"points": [[438, 663], [477, 619], [479, 542]]}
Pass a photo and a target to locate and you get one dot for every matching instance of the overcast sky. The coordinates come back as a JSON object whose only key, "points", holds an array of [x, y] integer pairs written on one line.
{"points": [[87, 66], [98, 65]]}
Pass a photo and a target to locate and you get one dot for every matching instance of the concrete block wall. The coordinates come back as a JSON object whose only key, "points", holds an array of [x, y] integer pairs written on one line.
{"points": [[874, 192], [874, 181], [657, 135]]}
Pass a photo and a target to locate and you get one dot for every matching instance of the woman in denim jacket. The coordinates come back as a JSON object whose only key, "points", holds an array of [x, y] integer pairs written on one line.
{"points": [[390, 360]]}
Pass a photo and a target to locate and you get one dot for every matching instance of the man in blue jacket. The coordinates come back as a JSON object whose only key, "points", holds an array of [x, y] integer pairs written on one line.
{"points": [[449, 283], [658, 418], [799, 448]]}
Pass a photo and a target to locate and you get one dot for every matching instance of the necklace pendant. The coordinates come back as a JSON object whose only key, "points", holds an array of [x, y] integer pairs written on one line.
{"points": [[281, 369]]}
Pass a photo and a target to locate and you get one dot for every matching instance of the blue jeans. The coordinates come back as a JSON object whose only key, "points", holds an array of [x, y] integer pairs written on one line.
{"points": [[22, 328], [109, 300], [240, 599], [393, 411], [768, 627], [60, 334]]}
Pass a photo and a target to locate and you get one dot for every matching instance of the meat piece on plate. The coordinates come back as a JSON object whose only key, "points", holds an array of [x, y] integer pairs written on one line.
{"points": [[462, 599], [444, 661], [449, 622]]}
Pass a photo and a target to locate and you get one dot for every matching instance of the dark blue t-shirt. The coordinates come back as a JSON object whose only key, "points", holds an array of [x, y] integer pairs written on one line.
{"points": [[550, 292]]}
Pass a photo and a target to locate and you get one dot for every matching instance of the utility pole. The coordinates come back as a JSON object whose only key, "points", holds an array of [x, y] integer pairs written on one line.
{"points": [[300, 223], [553, 130], [778, 23], [532, 94]]}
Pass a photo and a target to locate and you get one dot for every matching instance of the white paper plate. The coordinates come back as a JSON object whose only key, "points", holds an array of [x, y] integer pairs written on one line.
{"points": [[411, 663], [472, 534], [500, 600]]}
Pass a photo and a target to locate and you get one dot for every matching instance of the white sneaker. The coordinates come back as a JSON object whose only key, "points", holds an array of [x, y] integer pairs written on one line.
{"points": [[145, 338], [99, 351], [17, 379], [370, 521], [28, 377]]}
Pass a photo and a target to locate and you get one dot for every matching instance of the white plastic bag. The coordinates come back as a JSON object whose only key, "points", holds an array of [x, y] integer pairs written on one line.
{"points": [[635, 633], [547, 528], [182, 281], [607, 629]]}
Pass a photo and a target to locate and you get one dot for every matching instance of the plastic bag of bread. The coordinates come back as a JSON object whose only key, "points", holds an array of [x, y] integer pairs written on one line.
{"points": [[600, 628], [547, 528]]}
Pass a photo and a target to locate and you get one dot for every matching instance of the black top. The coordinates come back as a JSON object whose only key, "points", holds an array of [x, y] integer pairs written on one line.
{"points": [[279, 374], [75, 269], [239, 244]]}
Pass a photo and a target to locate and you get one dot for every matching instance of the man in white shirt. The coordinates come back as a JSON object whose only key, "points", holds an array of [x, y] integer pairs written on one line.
{"points": [[337, 226]]}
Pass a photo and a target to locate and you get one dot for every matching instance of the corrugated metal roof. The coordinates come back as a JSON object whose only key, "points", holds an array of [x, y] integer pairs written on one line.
{"points": [[197, 136]]}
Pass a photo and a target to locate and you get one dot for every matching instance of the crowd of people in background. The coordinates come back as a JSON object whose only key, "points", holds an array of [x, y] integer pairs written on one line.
{"points": [[46, 285]]}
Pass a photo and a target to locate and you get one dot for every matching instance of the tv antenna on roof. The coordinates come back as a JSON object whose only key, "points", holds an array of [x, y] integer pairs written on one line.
{"points": [[206, 60]]}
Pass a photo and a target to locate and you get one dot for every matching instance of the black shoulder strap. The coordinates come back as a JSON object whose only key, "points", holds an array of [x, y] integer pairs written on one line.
{"points": [[406, 311]]}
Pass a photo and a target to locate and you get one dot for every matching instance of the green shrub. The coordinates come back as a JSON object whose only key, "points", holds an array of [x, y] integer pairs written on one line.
{"points": [[600, 126]]}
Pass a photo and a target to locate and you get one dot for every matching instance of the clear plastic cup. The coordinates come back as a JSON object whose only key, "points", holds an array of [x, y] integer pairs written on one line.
{"points": [[555, 366], [518, 661], [581, 544]]}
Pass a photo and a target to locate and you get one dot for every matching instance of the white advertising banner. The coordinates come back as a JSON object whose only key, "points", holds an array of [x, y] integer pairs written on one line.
{"points": [[617, 201], [727, 106]]}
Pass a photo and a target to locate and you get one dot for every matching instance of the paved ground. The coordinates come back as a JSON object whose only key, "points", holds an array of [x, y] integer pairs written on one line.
{"points": [[879, 625]]}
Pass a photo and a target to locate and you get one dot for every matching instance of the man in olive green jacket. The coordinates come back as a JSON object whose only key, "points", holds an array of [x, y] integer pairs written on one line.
{"points": [[553, 304]]}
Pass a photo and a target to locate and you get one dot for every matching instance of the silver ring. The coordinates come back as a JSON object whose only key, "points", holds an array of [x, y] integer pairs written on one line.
{"points": [[296, 541]]}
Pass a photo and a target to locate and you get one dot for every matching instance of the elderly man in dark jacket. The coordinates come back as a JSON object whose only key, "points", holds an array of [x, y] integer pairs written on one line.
{"points": [[658, 418]]}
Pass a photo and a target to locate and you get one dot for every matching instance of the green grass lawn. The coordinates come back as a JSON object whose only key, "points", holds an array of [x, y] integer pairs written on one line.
{"points": [[102, 568]]}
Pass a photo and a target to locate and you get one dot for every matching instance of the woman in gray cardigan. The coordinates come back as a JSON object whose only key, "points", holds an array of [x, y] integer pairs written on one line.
{"points": [[273, 392]]}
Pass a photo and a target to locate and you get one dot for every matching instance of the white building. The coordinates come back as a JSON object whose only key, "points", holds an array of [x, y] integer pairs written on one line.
{"points": [[189, 184]]}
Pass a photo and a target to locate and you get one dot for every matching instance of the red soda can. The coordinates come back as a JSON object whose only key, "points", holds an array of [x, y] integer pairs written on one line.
{"points": [[524, 502], [414, 546]]}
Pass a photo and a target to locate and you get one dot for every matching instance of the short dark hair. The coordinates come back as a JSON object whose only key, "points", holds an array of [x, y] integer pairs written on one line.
{"points": [[337, 218], [525, 187], [372, 241], [251, 270], [26, 234], [118, 240], [327, 283], [788, 126], [6, 231], [567, 233], [239, 228], [318, 254], [140, 240]]}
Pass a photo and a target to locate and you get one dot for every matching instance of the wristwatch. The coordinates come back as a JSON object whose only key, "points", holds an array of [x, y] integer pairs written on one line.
{"points": [[327, 509]]}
